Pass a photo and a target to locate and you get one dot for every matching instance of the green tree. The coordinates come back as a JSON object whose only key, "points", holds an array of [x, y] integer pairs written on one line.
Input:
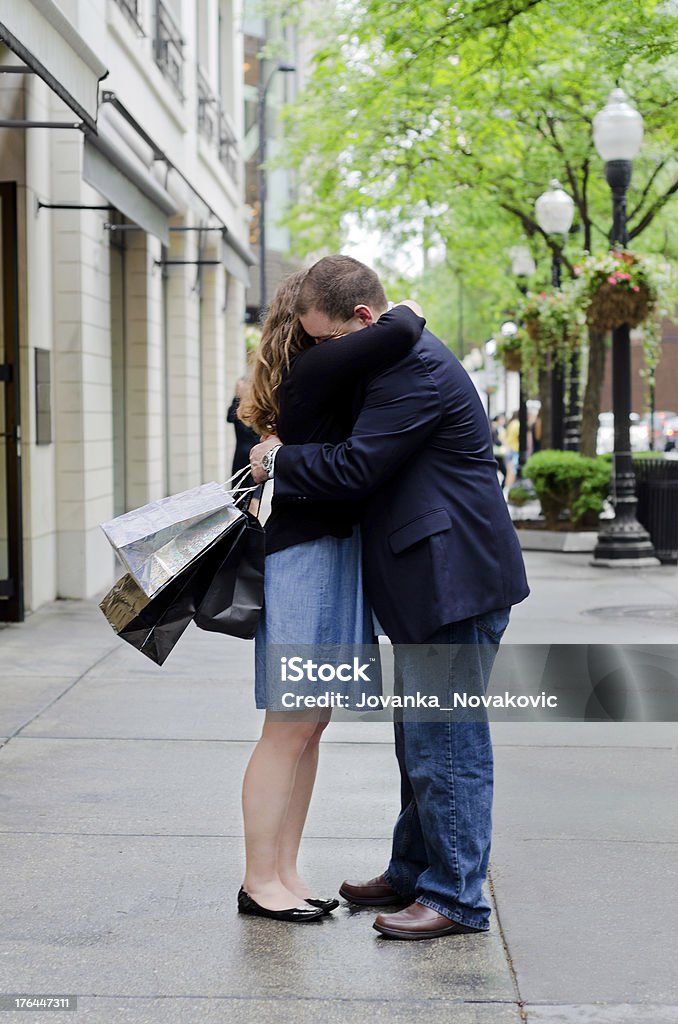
{"points": [[458, 116]]}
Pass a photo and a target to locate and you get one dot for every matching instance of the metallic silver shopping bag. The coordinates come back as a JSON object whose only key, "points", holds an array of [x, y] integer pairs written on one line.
{"points": [[159, 540], [222, 589]]}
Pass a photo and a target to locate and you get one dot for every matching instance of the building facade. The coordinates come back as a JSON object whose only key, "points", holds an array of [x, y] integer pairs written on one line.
{"points": [[277, 59], [666, 373], [125, 261]]}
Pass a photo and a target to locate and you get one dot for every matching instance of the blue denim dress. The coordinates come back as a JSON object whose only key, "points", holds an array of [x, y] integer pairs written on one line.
{"points": [[313, 595]]}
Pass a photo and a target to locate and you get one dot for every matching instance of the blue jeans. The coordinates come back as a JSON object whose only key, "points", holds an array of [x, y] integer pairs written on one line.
{"points": [[441, 840]]}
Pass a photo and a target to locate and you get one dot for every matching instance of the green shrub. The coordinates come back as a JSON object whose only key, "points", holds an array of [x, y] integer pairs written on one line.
{"points": [[567, 482]]}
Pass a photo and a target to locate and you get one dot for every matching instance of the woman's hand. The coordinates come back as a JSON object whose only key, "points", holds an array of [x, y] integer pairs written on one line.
{"points": [[257, 453], [413, 305]]}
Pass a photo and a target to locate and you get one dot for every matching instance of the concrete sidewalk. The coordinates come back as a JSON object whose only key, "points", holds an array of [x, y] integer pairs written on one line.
{"points": [[122, 851]]}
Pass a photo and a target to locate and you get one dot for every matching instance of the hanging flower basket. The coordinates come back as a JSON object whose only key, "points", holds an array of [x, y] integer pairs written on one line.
{"points": [[553, 323], [622, 287], [520, 354], [617, 288], [611, 306], [513, 360], [510, 351], [532, 328]]}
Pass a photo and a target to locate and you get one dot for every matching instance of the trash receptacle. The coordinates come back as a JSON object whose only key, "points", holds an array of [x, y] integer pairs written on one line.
{"points": [[657, 493]]}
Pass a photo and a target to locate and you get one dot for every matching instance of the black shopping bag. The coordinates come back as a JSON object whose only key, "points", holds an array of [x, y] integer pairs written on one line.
{"points": [[154, 625], [234, 598]]}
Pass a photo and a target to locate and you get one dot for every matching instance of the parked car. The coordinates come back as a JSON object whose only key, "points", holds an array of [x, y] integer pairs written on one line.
{"points": [[660, 418], [639, 431]]}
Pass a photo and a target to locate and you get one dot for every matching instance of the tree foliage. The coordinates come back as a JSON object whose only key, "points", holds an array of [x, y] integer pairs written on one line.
{"points": [[463, 114], [449, 121]]}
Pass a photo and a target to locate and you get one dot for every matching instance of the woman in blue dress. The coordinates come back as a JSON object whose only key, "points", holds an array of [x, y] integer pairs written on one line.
{"points": [[304, 392]]}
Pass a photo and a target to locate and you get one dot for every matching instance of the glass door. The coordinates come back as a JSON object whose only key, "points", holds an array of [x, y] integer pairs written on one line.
{"points": [[11, 540]]}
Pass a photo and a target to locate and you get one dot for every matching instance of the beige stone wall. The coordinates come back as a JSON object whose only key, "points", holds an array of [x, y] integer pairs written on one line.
{"points": [[213, 397], [82, 403], [166, 343], [144, 365], [183, 365]]}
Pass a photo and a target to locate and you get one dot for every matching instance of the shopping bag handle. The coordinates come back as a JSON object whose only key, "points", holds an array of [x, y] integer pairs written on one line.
{"points": [[237, 478], [242, 496], [243, 499]]}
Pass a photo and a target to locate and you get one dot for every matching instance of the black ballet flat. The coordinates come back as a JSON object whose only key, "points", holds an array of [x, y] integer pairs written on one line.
{"points": [[327, 906], [246, 905]]}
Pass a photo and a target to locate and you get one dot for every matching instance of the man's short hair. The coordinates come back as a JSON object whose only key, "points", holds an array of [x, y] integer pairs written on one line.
{"points": [[335, 285]]}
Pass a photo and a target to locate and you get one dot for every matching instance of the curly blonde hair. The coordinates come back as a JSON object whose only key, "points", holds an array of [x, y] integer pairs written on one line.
{"points": [[282, 337]]}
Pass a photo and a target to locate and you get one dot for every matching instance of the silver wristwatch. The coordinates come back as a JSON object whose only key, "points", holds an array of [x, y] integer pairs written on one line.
{"points": [[268, 460]]}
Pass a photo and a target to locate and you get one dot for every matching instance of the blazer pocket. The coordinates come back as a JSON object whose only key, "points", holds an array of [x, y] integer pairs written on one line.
{"points": [[418, 529]]}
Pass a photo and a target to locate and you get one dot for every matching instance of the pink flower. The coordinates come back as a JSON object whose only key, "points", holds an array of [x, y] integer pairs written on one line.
{"points": [[635, 288], [612, 279], [577, 271]]}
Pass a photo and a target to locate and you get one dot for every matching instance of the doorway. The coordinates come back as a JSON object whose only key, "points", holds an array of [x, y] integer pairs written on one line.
{"points": [[11, 534]]}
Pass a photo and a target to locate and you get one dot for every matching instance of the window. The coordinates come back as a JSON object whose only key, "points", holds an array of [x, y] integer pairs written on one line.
{"points": [[132, 8], [169, 44]]}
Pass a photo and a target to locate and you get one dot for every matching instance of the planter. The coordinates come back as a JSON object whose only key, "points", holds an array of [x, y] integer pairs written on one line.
{"points": [[567, 541], [613, 305]]}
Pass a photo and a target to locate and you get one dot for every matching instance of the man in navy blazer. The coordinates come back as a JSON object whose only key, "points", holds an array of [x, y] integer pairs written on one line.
{"points": [[442, 566]]}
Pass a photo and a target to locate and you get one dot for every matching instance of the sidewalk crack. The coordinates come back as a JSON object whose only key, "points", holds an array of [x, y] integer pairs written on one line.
{"points": [[58, 697]]}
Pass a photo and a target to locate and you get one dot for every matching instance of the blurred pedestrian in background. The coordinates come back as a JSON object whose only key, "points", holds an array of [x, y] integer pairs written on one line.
{"points": [[498, 426], [534, 430], [245, 437], [512, 442]]}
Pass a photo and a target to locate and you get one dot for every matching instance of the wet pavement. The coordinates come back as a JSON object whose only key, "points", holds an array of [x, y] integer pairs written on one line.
{"points": [[121, 839]]}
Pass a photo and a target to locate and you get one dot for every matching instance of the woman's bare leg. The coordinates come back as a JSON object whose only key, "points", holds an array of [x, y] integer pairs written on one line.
{"points": [[267, 791], [295, 819]]}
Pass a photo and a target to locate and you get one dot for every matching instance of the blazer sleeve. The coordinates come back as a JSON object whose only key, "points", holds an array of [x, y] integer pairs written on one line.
{"points": [[401, 410], [324, 370]]}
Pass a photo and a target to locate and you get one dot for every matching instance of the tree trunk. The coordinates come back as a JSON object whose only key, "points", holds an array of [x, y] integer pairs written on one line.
{"points": [[592, 393]]}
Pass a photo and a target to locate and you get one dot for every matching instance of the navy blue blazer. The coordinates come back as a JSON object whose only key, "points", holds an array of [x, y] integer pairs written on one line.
{"points": [[438, 542]]}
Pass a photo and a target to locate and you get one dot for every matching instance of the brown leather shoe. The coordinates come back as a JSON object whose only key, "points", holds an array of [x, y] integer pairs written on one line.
{"points": [[374, 893], [419, 922]]}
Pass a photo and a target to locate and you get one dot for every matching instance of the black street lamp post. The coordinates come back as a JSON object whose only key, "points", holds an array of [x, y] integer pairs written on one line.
{"points": [[490, 374], [522, 266], [617, 134], [554, 211], [572, 439], [522, 432], [508, 329], [262, 93], [557, 377]]}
